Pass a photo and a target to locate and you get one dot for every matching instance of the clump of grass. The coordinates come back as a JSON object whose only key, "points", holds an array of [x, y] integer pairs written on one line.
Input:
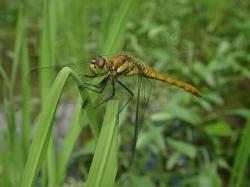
{"points": [[54, 172], [40, 143]]}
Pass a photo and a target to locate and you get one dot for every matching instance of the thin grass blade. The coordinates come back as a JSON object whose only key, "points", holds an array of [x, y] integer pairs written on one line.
{"points": [[104, 165], [117, 28], [47, 58], [238, 175], [26, 105], [44, 127]]}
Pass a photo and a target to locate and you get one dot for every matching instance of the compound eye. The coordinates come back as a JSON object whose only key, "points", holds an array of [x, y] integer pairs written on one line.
{"points": [[99, 61]]}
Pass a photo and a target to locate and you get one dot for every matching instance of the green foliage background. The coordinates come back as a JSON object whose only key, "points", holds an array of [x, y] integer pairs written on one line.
{"points": [[185, 141]]}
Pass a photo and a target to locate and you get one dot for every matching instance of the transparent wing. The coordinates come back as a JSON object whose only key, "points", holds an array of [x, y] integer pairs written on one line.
{"points": [[142, 99], [135, 90], [79, 66]]}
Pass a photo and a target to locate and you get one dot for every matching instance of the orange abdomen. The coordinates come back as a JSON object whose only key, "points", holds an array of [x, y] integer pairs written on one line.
{"points": [[151, 73]]}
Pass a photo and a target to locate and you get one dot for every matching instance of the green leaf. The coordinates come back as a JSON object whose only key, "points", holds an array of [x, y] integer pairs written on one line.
{"points": [[173, 160], [219, 129], [104, 165], [44, 127], [47, 58], [141, 181], [117, 28], [184, 113], [205, 73], [238, 175], [26, 102], [183, 147], [161, 116], [208, 177], [152, 135]]}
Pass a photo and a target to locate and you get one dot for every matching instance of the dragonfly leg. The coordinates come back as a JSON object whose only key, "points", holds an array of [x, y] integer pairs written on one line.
{"points": [[109, 97], [96, 88], [83, 86], [99, 85], [90, 76], [129, 91]]}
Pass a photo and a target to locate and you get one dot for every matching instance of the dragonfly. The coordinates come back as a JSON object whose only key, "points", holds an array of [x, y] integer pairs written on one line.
{"points": [[111, 72], [123, 65]]}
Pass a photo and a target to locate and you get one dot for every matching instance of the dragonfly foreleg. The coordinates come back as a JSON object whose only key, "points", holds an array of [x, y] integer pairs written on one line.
{"points": [[128, 90], [109, 97], [90, 76], [96, 88]]}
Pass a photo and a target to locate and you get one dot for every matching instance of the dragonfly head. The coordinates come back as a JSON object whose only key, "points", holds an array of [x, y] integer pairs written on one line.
{"points": [[97, 65]]}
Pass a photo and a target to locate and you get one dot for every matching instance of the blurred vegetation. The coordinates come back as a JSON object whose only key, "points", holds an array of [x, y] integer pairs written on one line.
{"points": [[185, 141]]}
